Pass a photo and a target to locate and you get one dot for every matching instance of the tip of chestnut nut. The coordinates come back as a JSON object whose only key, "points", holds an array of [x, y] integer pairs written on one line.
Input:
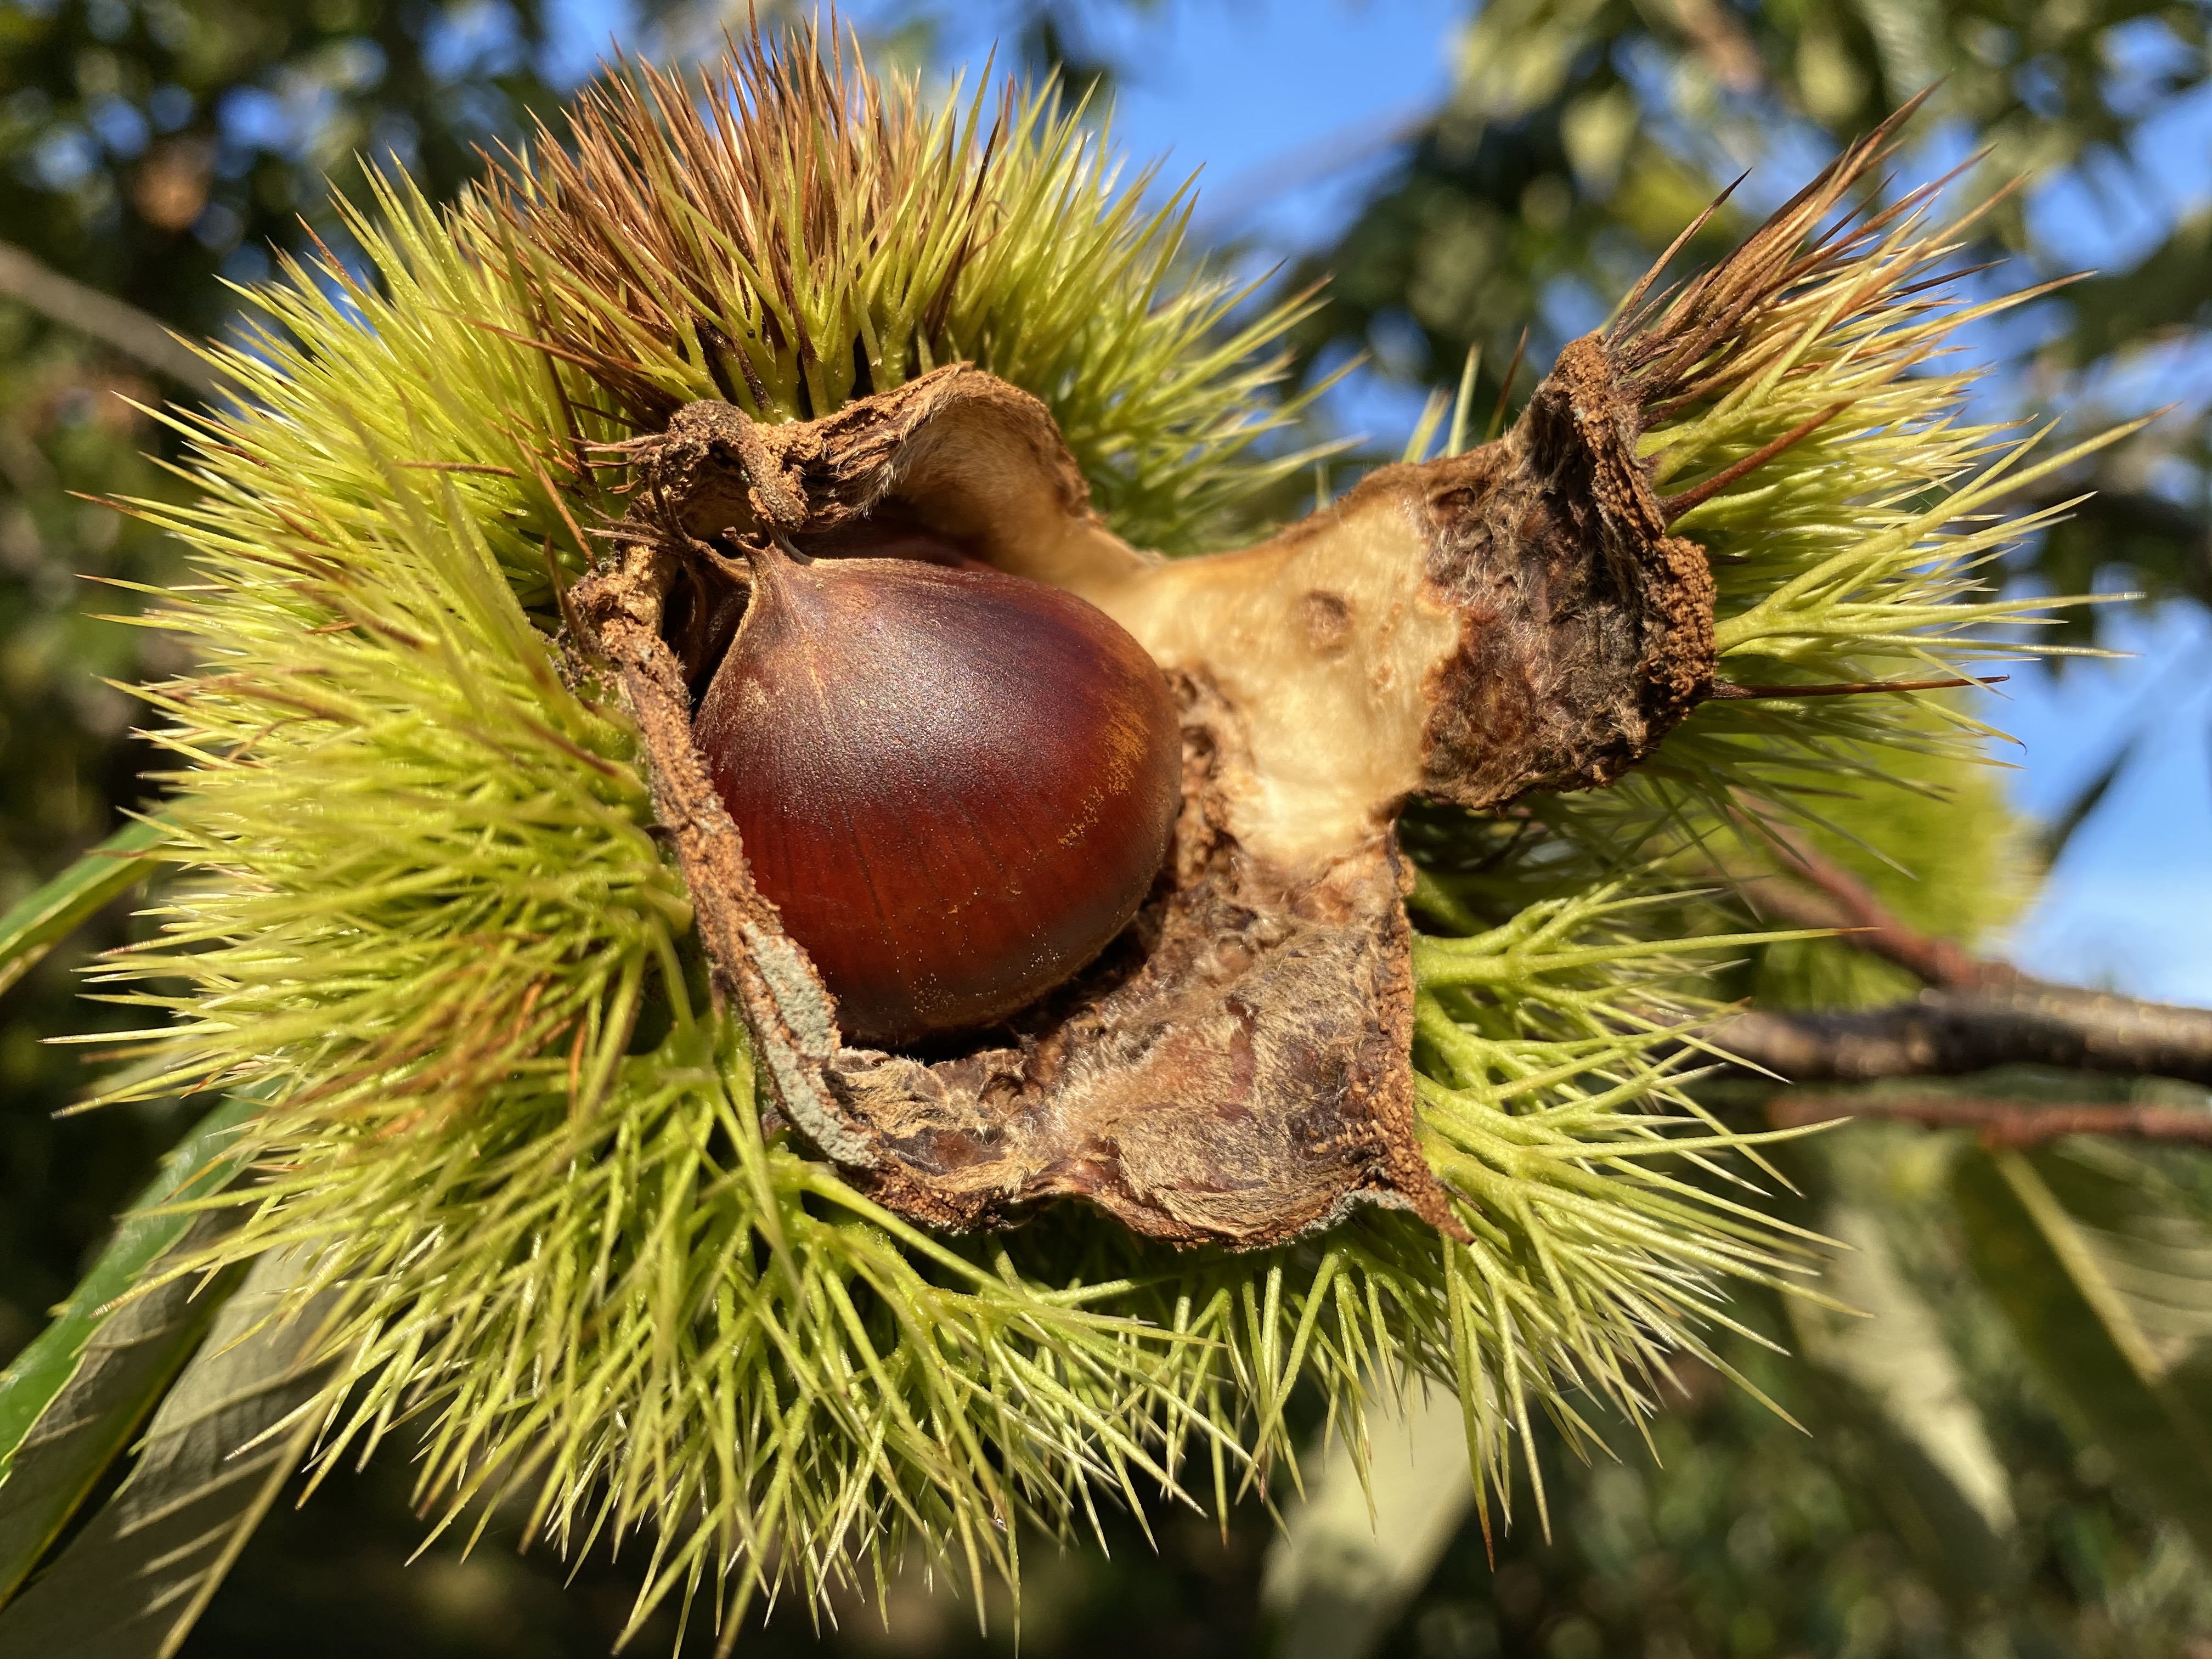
{"points": [[955, 785]]}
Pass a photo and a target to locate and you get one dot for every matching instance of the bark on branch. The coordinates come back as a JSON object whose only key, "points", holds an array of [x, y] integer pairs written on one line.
{"points": [[124, 327], [1818, 893], [1976, 1013], [1948, 1033], [2003, 1123]]}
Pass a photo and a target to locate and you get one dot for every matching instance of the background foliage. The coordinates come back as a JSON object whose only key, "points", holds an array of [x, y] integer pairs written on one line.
{"points": [[2019, 1471], [154, 152]]}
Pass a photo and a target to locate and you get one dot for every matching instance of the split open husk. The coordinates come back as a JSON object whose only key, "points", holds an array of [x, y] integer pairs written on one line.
{"points": [[1238, 1069]]}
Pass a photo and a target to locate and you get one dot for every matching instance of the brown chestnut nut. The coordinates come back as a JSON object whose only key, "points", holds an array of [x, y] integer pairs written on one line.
{"points": [[956, 785]]}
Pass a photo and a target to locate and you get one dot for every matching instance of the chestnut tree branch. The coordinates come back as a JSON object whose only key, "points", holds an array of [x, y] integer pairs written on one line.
{"points": [[1975, 1015], [122, 328], [1725, 690], [2003, 1123], [1817, 892], [1949, 1033]]}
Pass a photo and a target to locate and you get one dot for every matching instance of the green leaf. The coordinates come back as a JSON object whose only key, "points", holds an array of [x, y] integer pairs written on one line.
{"points": [[2091, 796], [2106, 1279], [1892, 1373], [223, 1444], [1370, 1531], [71, 1402], [38, 923]]}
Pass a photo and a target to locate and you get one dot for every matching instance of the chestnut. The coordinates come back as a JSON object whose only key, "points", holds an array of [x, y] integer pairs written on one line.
{"points": [[955, 785]]}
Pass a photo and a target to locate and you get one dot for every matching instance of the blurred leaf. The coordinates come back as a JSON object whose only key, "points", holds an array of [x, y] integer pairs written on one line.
{"points": [[1898, 1358], [2153, 544], [131, 1584], [2161, 295], [1370, 1531], [158, 151], [2088, 798], [1052, 44], [39, 922], [1896, 1381], [71, 1400], [2106, 1280]]}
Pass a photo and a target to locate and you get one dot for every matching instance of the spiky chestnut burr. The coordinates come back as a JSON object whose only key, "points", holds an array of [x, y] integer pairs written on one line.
{"points": [[1518, 617], [954, 784], [448, 940]]}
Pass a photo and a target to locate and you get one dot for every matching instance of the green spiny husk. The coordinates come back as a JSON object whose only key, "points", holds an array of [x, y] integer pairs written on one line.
{"points": [[428, 916]]}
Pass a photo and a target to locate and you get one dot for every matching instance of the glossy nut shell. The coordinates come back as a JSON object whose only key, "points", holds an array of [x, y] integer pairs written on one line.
{"points": [[956, 785]]}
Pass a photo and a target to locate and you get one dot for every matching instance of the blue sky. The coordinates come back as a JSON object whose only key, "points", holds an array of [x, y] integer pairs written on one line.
{"points": [[1256, 93], [2130, 905]]}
